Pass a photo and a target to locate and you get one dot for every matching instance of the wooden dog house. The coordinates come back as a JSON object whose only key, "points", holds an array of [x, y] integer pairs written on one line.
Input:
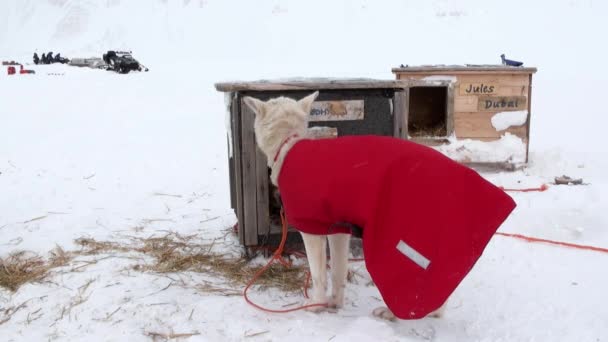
{"points": [[467, 113], [474, 114], [344, 107]]}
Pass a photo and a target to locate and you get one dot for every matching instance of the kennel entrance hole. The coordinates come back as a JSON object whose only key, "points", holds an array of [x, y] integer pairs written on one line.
{"points": [[428, 112]]}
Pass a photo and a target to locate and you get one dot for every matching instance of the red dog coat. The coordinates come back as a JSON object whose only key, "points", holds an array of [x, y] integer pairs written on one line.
{"points": [[425, 218]]}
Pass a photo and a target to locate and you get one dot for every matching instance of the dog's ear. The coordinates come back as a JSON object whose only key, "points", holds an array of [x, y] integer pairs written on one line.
{"points": [[306, 103], [258, 107]]}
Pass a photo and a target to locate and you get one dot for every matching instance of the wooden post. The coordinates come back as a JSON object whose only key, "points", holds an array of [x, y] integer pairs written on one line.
{"points": [[529, 116], [449, 120], [238, 165], [231, 180], [249, 175], [262, 193], [400, 111], [231, 159]]}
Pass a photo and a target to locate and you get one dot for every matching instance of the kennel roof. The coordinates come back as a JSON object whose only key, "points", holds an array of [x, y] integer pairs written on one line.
{"points": [[468, 69], [310, 84]]}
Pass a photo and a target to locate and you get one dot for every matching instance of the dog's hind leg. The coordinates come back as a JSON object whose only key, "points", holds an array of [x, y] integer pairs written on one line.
{"points": [[387, 314], [317, 261], [384, 313], [338, 249]]}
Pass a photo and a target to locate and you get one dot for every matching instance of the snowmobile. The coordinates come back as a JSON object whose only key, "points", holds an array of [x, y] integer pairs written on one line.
{"points": [[122, 62]]}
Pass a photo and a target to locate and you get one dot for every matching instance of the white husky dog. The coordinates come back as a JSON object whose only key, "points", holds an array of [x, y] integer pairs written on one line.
{"points": [[277, 120]]}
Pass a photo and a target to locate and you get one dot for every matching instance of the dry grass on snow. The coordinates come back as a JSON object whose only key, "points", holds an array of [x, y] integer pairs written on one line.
{"points": [[171, 253]]}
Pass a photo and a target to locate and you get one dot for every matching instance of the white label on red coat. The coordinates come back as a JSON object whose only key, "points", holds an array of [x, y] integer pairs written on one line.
{"points": [[413, 254]]}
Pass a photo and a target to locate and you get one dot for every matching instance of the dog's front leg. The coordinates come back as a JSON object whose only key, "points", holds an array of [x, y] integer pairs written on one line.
{"points": [[317, 261], [338, 249]]}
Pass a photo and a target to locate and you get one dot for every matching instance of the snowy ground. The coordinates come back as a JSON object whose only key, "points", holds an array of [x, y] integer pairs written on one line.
{"points": [[86, 153]]}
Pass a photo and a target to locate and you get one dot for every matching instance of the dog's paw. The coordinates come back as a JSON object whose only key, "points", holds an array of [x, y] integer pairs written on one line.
{"points": [[437, 313], [336, 302], [384, 313]]}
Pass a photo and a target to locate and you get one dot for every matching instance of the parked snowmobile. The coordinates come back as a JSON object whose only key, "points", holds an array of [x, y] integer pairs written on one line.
{"points": [[59, 59], [122, 62]]}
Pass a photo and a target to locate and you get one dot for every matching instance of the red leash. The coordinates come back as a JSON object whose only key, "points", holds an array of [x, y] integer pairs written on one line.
{"points": [[545, 187], [276, 156], [542, 188], [558, 243], [277, 256]]}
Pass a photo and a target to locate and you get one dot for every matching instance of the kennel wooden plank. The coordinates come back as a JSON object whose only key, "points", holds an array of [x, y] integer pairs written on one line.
{"points": [[479, 125], [477, 103], [489, 139], [520, 90], [529, 115], [249, 175], [477, 88], [500, 80], [491, 89], [400, 110], [502, 103], [231, 174], [410, 76], [465, 104], [462, 69], [449, 121], [231, 156], [310, 84], [262, 193], [238, 165]]}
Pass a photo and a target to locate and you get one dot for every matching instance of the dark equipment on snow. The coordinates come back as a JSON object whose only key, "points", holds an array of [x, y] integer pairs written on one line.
{"points": [[510, 62], [59, 59], [122, 62], [49, 59]]}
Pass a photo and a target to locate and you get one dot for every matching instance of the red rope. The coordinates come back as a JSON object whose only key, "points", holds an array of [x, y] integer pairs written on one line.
{"points": [[277, 256], [543, 187], [559, 243]]}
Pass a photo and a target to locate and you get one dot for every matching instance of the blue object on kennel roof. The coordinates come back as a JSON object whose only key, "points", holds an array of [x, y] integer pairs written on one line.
{"points": [[510, 62]]}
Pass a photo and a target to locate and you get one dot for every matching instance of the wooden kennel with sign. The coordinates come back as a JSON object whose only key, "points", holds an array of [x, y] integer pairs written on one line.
{"points": [[344, 107], [474, 114]]}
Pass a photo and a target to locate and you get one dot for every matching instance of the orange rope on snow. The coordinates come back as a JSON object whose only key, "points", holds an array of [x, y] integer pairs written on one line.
{"points": [[545, 187], [558, 243], [540, 189], [277, 256]]}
